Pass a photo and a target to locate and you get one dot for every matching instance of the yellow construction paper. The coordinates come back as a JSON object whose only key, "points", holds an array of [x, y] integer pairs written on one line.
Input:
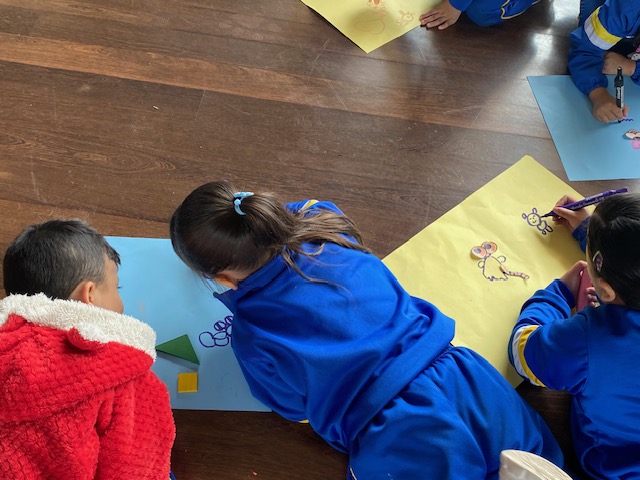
{"points": [[437, 264], [370, 23]]}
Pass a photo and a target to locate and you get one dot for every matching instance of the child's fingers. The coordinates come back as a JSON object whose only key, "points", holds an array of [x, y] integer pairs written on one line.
{"points": [[432, 19], [573, 276], [566, 199], [571, 218]]}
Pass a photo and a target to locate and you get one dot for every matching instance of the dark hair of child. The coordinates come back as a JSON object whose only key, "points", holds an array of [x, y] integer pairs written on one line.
{"points": [[53, 257], [210, 236], [613, 243]]}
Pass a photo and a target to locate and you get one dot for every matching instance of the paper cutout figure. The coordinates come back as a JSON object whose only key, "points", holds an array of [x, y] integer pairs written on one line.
{"points": [[485, 311], [179, 347], [491, 264], [188, 382], [221, 338], [506, 271], [535, 220]]}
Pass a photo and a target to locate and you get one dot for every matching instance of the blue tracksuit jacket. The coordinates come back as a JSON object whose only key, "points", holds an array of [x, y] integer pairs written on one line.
{"points": [[610, 23], [492, 12], [593, 355], [373, 371]]}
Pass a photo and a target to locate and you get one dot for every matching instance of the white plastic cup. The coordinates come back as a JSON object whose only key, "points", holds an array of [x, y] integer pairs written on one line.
{"points": [[519, 465]]}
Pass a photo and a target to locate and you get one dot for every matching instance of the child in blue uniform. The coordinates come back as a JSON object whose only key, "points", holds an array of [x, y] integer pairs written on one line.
{"points": [[323, 331], [614, 25], [593, 354], [481, 12]]}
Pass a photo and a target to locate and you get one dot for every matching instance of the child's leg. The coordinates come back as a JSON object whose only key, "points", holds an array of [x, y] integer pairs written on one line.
{"points": [[491, 12], [451, 422], [417, 437]]}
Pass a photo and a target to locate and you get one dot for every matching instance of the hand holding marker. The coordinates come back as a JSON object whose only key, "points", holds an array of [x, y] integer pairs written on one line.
{"points": [[585, 202], [619, 84]]}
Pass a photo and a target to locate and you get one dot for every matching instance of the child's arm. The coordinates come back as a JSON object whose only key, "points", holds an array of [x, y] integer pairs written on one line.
{"points": [[604, 106], [548, 346], [575, 221], [443, 15], [602, 30]]}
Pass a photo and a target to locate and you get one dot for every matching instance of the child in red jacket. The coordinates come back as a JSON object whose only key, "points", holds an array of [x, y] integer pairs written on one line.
{"points": [[78, 400]]}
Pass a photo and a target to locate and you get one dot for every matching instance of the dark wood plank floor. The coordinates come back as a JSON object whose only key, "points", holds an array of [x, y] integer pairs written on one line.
{"points": [[113, 110]]}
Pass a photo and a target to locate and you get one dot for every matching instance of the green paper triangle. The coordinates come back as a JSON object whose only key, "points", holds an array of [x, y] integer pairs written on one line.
{"points": [[179, 347]]}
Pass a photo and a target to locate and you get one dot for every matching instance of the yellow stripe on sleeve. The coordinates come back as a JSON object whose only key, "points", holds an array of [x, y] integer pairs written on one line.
{"points": [[308, 204], [599, 35], [517, 348]]}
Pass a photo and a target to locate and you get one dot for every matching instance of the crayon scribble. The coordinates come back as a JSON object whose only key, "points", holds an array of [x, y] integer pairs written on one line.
{"points": [[405, 18], [373, 20], [221, 337]]}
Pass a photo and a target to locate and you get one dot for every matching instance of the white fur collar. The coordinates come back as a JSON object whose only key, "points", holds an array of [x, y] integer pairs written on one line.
{"points": [[93, 323]]}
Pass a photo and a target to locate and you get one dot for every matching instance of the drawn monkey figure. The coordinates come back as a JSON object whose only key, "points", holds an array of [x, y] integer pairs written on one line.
{"points": [[535, 220]]}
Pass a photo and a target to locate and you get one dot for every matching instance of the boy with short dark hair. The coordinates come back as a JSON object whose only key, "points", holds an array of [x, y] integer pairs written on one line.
{"points": [[78, 400]]}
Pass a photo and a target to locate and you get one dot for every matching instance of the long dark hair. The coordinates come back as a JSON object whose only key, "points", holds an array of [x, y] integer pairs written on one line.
{"points": [[210, 236], [614, 235]]}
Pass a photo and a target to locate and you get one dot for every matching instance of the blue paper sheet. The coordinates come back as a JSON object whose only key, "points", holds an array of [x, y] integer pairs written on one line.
{"points": [[160, 290], [588, 149]]}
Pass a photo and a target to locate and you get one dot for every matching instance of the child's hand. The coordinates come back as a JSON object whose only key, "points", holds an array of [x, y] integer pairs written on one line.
{"points": [[442, 16], [613, 60], [604, 106], [573, 277], [571, 219], [592, 298]]}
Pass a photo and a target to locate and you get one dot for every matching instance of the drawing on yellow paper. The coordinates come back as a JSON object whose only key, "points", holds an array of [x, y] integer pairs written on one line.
{"points": [[494, 266], [535, 220], [372, 23], [491, 219]]}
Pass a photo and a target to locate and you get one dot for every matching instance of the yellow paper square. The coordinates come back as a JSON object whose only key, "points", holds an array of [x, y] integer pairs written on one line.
{"points": [[187, 382], [370, 25], [437, 265]]}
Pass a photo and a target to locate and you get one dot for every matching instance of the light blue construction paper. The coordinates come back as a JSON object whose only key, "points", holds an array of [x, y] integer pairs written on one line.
{"points": [[588, 149], [160, 290]]}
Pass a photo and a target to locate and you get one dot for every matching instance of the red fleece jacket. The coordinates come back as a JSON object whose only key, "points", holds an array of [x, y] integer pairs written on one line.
{"points": [[78, 400]]}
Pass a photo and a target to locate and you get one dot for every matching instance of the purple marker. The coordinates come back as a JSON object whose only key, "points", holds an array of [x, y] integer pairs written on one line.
{"points": [[585, 202]]}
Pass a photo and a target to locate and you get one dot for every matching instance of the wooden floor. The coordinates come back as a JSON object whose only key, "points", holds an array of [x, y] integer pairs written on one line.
{"points": [[113, 110]]}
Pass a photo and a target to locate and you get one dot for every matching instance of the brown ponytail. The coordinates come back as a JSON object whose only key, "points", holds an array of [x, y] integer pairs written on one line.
{"points": [[210, 235]]}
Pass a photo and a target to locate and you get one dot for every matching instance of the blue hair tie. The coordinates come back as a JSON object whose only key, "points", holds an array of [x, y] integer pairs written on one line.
{"points": [[239, 196]]}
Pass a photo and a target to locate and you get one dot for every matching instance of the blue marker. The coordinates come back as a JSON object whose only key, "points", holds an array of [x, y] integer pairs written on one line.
{"points": [[585, 202]]}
